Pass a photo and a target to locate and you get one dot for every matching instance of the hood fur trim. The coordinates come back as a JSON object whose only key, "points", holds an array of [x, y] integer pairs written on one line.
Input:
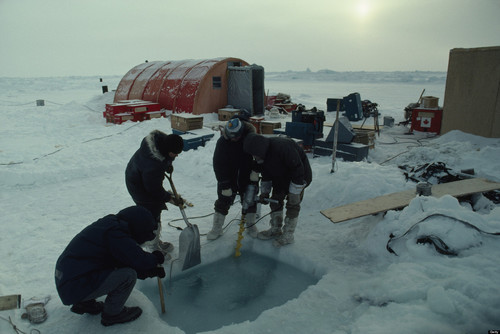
{"points": [[150, 142]]}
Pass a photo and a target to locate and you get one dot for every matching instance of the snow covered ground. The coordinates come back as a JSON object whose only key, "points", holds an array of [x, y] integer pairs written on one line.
{"points": [[62, 168]]}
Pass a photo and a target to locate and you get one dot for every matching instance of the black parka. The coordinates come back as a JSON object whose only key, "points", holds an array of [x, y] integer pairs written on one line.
{"points": [[145, 173], [232, 165], [109, 243], [284, 160]]}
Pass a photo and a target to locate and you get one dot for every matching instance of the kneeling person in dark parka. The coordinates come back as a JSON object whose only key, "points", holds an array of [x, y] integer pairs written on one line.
{"points": [[105, 259]]}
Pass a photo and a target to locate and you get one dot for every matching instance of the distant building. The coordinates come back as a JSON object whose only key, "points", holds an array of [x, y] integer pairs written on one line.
{"points": [[195, 86]]}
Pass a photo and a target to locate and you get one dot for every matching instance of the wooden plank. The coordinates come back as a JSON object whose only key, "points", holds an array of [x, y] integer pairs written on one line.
{"points": [[10, 302], [401, 199]]}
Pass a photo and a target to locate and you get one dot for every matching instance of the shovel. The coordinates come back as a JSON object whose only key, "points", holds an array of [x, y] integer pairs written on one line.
{"points": [[189, 239]]}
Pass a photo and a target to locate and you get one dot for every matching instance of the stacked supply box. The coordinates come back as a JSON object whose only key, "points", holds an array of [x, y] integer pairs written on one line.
{"points": [[226, 114], [268, 127], [132, 110], [186, 122]]}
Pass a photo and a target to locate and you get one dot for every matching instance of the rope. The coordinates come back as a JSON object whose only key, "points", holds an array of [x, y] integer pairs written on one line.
{"points": [[17, 330], [418, 141], [60, 149], [15, 105]]}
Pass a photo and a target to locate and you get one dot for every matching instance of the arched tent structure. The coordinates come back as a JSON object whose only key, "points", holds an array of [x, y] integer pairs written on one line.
{"points": [[191, 86]]}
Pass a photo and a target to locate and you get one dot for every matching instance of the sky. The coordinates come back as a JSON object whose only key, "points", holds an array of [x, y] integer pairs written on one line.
{"points": [[95, 37]]}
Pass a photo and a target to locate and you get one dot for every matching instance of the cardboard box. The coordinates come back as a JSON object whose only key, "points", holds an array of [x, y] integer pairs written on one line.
{"points": [[267, 127], [226, 114], [155, 114], [366, 137], [186, 122], [430, 102], [255, 120]]}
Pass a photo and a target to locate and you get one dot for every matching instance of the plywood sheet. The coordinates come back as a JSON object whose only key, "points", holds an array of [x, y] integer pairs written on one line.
{"points": [[401, 199]]}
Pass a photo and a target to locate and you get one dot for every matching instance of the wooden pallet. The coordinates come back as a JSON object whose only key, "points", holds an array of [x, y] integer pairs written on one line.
{"points": [[401, 199]]}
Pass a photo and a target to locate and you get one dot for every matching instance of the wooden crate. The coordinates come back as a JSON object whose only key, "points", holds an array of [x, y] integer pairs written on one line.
{"points": [[226, 114], [256, 120], [186, 122], [366, 137], [267, 127]]}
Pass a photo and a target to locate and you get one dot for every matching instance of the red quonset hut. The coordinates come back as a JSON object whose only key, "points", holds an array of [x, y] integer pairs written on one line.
{"points": [[190, 86]]}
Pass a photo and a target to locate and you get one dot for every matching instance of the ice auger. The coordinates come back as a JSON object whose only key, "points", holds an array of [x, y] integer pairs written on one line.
{"points": [[249, 200]]}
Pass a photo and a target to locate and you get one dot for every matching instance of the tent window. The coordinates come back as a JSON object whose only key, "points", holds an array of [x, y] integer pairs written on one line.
{"points": [[216, 82], [234, 63]]}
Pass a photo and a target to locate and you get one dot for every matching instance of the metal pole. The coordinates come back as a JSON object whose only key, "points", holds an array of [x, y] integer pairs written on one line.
{"points": [[335, 135]]}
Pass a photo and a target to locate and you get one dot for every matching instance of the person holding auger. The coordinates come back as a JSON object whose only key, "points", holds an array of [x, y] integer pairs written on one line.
{"points": [[232, 167], [285, 169]]}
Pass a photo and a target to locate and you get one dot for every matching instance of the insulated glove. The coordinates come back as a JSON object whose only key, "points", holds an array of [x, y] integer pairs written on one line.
{"points": [[169, 169], [160, 272], [227, 192], [265, 188], [154, 272], [159, 256], [178, 201], [254, 176]]}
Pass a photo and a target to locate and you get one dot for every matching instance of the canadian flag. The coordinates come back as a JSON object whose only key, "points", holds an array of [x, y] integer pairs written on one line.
{"points": [[425, 122]]}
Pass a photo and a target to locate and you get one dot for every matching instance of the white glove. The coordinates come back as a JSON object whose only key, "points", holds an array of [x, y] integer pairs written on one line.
{"points": [[254, 176], [265, 187], [227, 192], [296, 189]]}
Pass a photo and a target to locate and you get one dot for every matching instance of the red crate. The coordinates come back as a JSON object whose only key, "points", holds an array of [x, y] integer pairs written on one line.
{"points": [[130, 110], [122, 117], [143, 107], [115, 108], [426, 120]]}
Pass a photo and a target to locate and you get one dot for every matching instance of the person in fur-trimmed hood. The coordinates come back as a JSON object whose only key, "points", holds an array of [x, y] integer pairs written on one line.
{"points": [[285, 169], [232, 167], [145, 173]]}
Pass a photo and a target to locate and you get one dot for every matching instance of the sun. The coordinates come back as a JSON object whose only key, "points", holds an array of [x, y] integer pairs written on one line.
{"points": [[363, 9]]}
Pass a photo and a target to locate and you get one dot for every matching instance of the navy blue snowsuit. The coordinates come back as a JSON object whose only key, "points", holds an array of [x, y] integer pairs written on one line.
{"points": [[109, 243]]}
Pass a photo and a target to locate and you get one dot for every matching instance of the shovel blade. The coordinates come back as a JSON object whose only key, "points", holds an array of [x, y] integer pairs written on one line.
{"points": [[189, 247]]}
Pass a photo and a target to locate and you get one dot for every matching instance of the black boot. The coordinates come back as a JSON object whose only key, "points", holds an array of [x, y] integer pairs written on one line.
{"points": [[126, 315], [88, 306]]}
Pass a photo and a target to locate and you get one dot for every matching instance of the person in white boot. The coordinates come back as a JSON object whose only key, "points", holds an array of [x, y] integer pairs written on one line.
{"points": [[232, 167], [285, 170]]}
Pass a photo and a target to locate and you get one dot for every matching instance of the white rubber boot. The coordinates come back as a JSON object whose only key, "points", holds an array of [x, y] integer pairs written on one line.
{"points": [[275, 230], [250, 225], [288, 230], [216, 230], [156, 244]]}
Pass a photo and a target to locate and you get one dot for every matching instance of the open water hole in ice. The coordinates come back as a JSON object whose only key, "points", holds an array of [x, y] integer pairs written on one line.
{"points": [[230, 290]]}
